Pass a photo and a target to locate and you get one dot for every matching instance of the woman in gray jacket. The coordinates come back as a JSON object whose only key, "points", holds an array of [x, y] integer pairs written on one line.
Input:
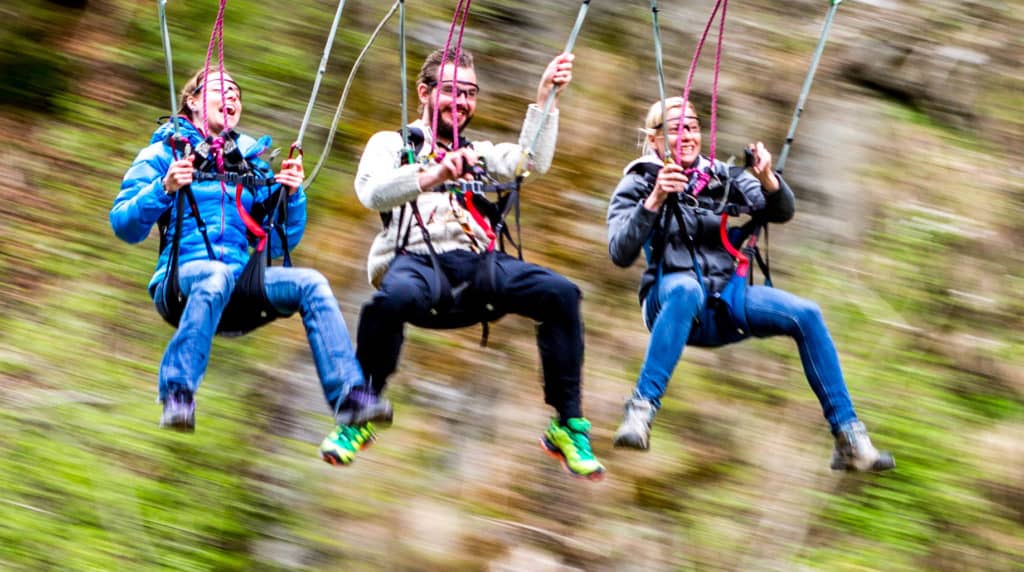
{"points": [[689, 269]]}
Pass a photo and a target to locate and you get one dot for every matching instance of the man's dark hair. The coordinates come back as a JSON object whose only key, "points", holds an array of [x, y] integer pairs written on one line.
{"points": [[431, 65]]}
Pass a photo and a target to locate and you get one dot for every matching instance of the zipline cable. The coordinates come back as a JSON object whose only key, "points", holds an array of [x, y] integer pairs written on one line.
{"points": [[523, 169], [807, 84], [659, 63], [297, 145], [344, 95]]}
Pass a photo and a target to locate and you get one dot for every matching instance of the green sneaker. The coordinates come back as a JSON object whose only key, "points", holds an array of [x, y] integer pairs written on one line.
{"points": [[570, 443], [341, 446]]}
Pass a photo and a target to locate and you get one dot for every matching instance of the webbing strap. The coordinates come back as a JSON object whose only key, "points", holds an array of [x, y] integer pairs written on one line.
{"points": [[165, 38], [806, 89], [251, 180], [407, 151], [659, 64]]}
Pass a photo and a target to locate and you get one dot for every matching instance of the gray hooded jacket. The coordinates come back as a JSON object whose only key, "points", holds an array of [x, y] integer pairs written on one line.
{"points": [[631, 227]]}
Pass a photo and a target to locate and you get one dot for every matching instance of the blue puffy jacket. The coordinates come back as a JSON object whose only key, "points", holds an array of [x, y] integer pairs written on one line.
{"points": [[142, 200]]}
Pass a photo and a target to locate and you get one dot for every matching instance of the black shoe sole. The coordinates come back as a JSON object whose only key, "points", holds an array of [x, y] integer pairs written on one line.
{"points": [[180, 426]]}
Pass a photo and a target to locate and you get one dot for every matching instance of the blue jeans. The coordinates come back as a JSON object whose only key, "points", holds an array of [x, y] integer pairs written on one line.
{"points": [[677, 299], [208, 285]]}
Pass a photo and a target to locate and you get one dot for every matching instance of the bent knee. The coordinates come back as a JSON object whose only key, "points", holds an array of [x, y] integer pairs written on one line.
{"points": [[217, 279], [560, 292], [682, 287], [808, 312]]}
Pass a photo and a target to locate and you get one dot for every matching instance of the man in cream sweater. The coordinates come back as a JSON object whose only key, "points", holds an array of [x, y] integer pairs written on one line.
{"points": [[435, 264]]}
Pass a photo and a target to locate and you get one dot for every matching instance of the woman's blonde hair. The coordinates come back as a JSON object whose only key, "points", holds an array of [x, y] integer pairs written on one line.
{"points": [[654, 120]]}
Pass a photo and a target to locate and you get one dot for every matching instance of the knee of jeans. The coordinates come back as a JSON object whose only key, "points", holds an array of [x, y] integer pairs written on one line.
{"points": [[397, 302], [315, 284], [219, 282], [684, 289], [562, 294], [808, 312]]}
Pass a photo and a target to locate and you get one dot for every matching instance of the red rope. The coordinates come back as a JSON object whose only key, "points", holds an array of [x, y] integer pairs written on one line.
{"points": [[743, 263]]}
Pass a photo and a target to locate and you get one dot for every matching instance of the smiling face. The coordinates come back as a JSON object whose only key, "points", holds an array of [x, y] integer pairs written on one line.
{"points": [[690, 137], [456, 101], [223, 102]]}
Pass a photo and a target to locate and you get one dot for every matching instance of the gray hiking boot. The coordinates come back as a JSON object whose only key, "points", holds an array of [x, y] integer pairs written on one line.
{"points": [[635, 431], [854, 451]]}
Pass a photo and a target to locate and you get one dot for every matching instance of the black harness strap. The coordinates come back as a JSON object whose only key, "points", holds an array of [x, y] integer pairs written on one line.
{"points": [[443, 295], [247, 180]]}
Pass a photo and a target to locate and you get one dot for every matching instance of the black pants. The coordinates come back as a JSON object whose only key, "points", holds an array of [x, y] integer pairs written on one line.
{"points": [[520, 288]]}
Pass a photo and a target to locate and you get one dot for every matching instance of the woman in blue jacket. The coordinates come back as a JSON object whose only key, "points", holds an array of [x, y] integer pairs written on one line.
{"points": [[688, 269], [210, 262]]}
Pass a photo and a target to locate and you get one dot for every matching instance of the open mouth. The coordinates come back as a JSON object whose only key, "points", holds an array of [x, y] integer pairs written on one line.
{"points": [[230, 110]]}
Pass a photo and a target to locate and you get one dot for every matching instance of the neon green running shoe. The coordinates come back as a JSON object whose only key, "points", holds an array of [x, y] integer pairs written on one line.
{"points": [[341, 446], [570, 444]]}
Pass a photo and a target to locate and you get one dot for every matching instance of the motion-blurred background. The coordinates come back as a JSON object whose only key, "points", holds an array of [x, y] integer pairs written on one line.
{"points": [[907, 169]]}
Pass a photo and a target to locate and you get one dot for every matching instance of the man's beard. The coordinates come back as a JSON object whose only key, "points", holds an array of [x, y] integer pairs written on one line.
{"points": [[444, 128]]}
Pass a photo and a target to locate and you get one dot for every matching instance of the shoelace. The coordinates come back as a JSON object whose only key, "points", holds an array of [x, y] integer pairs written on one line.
{"points": [[582, 443], [357, 435]]}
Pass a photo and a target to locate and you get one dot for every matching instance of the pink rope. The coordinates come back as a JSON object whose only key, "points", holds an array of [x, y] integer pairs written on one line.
{"points": [[461, 13], [455, 78], [216, 40], [702, 177]]}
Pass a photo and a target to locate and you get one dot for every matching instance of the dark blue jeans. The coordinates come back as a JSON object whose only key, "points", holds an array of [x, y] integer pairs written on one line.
{"points": [[521, 288], [669, 311]]}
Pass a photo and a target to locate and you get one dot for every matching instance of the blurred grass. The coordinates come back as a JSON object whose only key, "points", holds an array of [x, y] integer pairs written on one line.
{"points": [[924, 305]]}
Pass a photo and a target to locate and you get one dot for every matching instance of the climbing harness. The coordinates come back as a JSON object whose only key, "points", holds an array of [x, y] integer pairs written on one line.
{"points": [[733, 294], [220, 159], [344, 95], [470, 195]]}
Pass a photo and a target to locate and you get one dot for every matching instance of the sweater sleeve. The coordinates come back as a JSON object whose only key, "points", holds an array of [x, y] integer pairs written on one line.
{"points": [[503, 158], [381, 182]]}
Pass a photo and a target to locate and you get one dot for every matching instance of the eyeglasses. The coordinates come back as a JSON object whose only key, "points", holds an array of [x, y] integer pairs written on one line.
{"points": [[690, 127], [469, 89], [219, 86]]}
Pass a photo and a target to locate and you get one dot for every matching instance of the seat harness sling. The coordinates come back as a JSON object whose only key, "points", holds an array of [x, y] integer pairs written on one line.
{"points": [[220, 159]]}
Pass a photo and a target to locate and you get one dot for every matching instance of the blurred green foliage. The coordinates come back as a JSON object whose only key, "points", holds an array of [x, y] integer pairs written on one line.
{"points": [[923, 302]]}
